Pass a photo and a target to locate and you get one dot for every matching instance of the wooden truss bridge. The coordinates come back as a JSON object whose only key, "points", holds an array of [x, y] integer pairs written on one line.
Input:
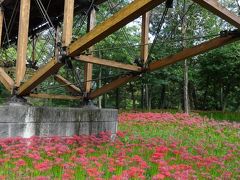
{"points": [[28, 23]]}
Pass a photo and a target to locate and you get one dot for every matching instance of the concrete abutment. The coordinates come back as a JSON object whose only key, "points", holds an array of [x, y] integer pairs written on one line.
{"points": [[18, 120]]}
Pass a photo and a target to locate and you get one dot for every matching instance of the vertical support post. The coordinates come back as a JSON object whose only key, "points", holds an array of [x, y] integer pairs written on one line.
{"points": [[88, 66], [145, 36], [1, 23], [68, 22], [144, 54], [22, 41]]}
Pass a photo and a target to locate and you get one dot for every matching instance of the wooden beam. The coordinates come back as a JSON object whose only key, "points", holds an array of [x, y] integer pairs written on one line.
{"points": [[22, 41], [1, 24], [145, 37], [69, 86], [190, 52], [68, 22], [88, 67], [6, 80], [218, 9], [43, 73], [120, 19], [113, 85], [53, 96], [109, 63]]}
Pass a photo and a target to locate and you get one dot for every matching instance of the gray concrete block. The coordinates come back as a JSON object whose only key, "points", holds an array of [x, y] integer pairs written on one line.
{"points": [[27, 121]]}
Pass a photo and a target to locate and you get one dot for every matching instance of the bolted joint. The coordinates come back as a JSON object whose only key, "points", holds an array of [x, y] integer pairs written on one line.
{"points": [[235, 32], [169, 3], [64, 58], [226, 33], [87, 102]]}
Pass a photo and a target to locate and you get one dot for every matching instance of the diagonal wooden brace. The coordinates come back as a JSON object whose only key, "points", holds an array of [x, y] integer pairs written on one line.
{"points": [[6, 80], [68, 85], [109, 63], [112, 85], [54, 96], [42, 74], [190, 52], [218, 9]]}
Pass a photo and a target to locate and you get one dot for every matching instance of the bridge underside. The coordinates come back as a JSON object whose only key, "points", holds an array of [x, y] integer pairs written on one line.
{"points": [[37, 22], [29, 21]]}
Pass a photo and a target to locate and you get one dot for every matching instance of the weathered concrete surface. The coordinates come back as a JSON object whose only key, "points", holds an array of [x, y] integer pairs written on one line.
{"points": [[26, 121]]}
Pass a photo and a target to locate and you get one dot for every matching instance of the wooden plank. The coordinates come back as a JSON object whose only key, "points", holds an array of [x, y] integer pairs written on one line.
{"points": [[145, 37], [113, 85], [53, 96], [109, 63], [43, 73], [6, 80], [68, 22], [1, 24], [88, 67], [22, 41], [120, 19], [218, 9], [69, 86], [190, 52]]}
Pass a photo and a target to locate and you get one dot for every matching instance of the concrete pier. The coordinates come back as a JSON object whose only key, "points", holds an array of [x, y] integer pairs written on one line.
{"points": [[25, 121]]}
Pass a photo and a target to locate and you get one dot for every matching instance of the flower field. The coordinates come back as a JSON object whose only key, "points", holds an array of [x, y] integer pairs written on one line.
{"points": [[147, 146]]}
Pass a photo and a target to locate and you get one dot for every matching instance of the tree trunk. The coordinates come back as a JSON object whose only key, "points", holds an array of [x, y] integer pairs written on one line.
{"points": [[133, 96], [186, 80], [194, 97], [142, 97], [149, 99], [146, 97], [99, 86]]}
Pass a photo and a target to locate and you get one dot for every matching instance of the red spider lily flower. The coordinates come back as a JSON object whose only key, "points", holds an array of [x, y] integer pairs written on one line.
{"points": [[44, 166], [34, 156], [93, 172], [158, 177], [81, 151], [3, 177], [135, 172], [20, 163], [43, 178], [66, 176]]}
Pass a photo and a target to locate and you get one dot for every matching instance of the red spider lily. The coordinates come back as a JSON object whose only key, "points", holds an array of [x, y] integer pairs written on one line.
{"points": [[20, 163], [34, 156], [43, 178], [43, 166], [158, 177], [93, 172]]}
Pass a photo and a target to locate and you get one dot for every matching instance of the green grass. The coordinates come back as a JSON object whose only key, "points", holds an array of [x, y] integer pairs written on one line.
{"points": [[230, 116]]}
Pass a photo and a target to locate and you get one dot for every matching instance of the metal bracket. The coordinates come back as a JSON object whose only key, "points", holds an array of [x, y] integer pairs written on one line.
{"points": [[64, 58], [226, 33], [169, 3]]}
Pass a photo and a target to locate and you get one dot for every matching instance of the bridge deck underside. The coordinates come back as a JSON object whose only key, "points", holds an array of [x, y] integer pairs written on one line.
{"points": [[37, 21]]}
